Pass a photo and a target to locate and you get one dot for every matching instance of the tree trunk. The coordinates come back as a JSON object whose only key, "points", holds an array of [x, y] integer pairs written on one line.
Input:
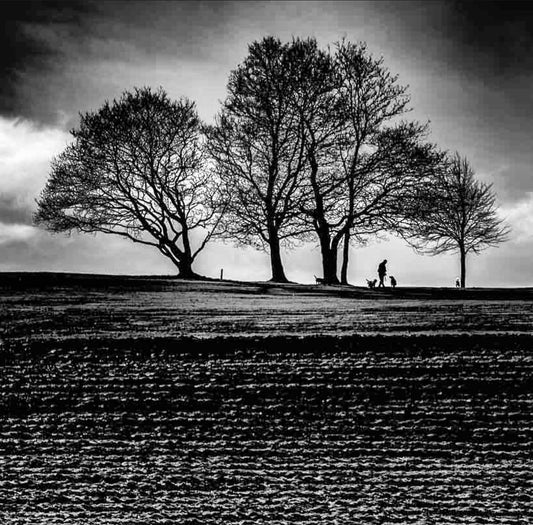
{"points": [[328, 247], [345, 257], [182, 259], [329, 265], [463, 267], [185, 269], [276, 264], [329, 259]]}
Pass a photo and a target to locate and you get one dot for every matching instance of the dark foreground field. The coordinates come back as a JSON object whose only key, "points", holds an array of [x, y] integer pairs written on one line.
{"points": [[151, 401]]}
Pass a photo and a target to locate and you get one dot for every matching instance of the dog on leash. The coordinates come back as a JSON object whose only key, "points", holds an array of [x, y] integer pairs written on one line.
{"points": [[393, 282], [371, 284], [319, 280]]}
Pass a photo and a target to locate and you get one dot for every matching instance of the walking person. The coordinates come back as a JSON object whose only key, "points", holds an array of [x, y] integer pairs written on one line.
{"points": [[382, 272]]}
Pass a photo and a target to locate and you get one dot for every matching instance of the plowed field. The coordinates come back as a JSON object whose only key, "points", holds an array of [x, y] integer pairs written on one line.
{"points": [[169, 403]]}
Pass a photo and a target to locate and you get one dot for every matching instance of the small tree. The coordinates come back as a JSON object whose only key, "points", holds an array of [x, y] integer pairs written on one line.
{"points": [[135, 169], [456, 213], [257, 151]]}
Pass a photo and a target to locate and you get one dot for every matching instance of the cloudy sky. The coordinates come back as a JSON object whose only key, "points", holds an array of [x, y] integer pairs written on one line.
{"points": [[469, 67]]}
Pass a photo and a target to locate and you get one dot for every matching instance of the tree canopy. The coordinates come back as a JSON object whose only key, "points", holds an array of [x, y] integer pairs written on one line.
{"points": [[361, 159], [310, 144], [257, 149], [135, 169], [306, 144]]}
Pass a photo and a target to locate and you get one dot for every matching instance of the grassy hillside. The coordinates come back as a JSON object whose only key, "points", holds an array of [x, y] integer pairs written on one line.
{"points": [[58, 306], [49, 280]]}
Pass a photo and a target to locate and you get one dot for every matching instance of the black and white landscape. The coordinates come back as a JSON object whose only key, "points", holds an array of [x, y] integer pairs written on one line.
{"points": [[266, 262]]}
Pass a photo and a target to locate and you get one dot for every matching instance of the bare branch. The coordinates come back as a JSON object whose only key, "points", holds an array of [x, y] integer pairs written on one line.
{"points": [[136, 166], [455, 213]]}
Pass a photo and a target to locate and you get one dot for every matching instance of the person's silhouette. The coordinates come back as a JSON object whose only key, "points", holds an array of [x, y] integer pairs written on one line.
{"points": [[382, 271]]}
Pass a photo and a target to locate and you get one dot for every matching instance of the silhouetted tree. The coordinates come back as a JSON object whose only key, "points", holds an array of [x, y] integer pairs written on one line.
{"points": [[316, 104], [257, 149], [360, 165], [456, 213], [135, 169]]}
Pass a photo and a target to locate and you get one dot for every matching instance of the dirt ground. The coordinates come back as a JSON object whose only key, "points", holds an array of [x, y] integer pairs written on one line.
{"points": [[155, 401]]}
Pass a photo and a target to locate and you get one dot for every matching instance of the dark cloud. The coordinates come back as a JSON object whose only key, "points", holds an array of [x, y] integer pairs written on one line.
{"points": [[474, 62], [48, 44], [492, 49], [478, 38], [26, 52], [14, 210], [52, 45], [493, 38]]}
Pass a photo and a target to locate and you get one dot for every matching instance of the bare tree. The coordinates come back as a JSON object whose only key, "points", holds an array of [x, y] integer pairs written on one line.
{"points": [[360, 164], [258, 153], [317, 106], [380, 162], [135, 169], [456, 213]]}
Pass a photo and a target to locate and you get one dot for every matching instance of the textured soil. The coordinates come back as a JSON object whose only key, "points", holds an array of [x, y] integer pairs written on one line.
{"points": [[167, 403]]}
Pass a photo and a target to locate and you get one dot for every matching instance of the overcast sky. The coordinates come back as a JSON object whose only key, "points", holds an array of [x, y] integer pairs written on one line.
{"points": [[469, 67]]}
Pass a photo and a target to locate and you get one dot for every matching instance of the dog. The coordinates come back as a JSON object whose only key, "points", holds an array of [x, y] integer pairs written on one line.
{"points": [[319, 280], [393, 282], [371, 284]]}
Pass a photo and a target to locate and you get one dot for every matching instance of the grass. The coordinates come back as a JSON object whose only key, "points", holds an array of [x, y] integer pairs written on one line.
{"points": [[57, 306]]}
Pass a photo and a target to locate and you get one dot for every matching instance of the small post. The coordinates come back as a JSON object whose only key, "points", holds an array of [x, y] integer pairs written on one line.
{"points": [[221, 274]]}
